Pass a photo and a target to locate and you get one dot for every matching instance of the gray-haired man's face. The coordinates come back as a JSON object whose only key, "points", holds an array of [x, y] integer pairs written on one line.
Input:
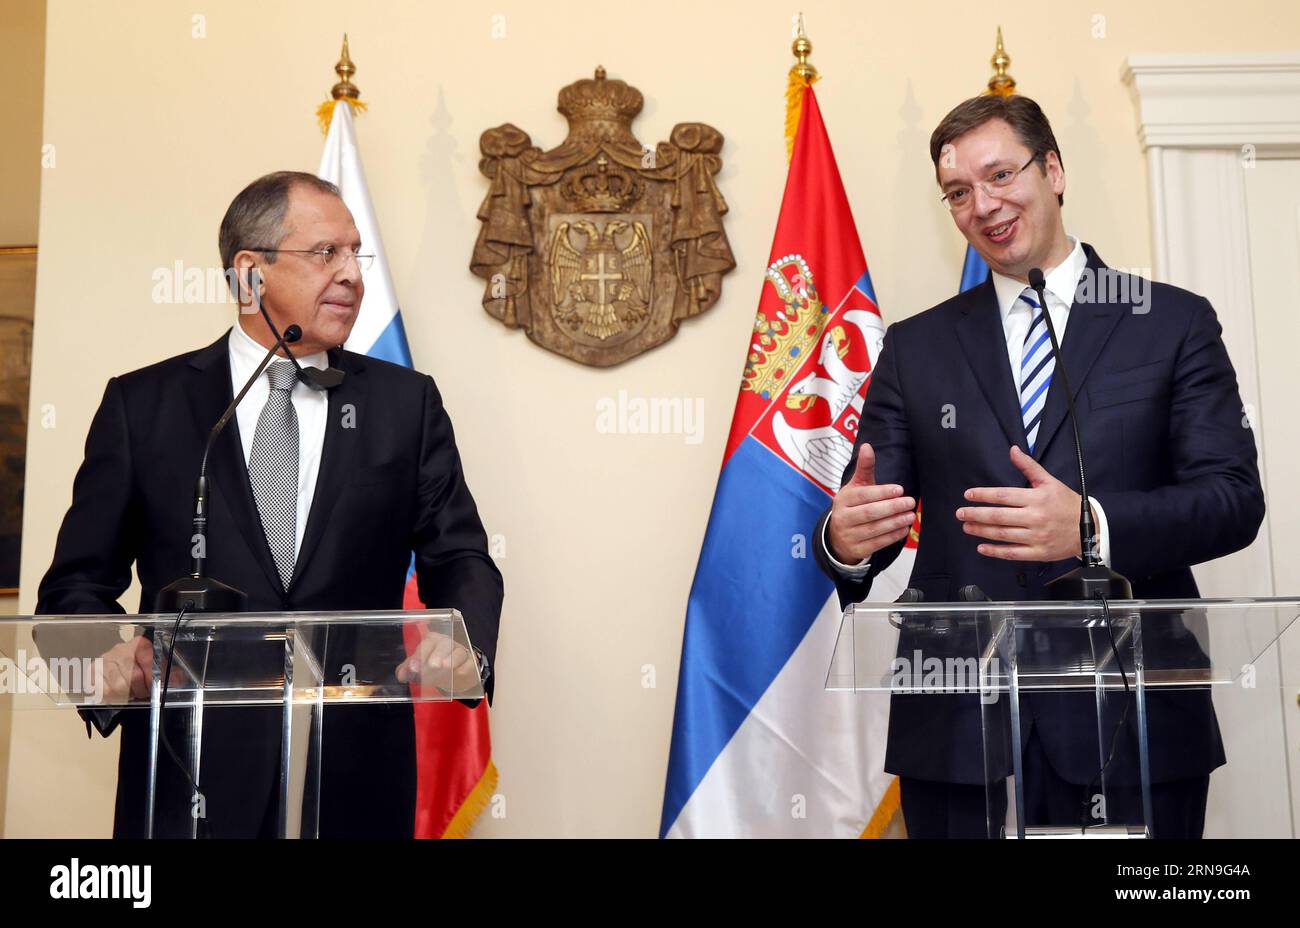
{"points": [[298, 288]]}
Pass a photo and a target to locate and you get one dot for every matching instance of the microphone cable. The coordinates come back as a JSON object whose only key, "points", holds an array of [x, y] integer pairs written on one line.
{"points": [[1119, 726], [202, 827]]}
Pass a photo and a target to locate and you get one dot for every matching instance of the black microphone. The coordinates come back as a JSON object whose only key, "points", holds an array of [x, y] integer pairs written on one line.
{"points": [[313, 377], [198, 592], [1093, 579], [907, 597]]}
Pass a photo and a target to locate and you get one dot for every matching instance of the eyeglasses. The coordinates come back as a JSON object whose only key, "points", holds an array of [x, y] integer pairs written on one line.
{"points": [[959, 198], [328, 256]]}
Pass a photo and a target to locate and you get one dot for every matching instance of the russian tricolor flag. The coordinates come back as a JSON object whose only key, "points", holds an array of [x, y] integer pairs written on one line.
{"points": [[452, 743]]}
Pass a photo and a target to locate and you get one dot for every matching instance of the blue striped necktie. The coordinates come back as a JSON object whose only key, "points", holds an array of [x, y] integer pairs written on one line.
{"points": [[1036, 366]]}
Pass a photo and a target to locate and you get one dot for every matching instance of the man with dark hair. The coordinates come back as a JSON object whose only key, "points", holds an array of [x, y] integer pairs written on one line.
{"points": [[1023, 115], [317, 500], [1172, 475]]}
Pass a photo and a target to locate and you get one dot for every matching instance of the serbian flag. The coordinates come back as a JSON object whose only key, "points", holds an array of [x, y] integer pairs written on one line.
{"points": [[456, 776], [759, 747]]}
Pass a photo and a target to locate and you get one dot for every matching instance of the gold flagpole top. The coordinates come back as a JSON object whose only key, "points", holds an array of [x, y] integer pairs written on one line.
{"points": [[802, 48], [1001, 83], [345, 69]]}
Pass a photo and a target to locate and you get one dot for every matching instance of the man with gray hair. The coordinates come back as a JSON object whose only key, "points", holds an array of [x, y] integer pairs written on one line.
{"points": [[320, 492]]}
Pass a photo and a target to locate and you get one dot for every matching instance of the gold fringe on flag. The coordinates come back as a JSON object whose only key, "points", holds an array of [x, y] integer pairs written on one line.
{"points": [[475, 803], [802, 75], [325, 112], [794, 108], [885, 812]]}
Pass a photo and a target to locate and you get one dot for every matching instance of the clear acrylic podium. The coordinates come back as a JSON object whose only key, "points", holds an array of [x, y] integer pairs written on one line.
{"points": [[1143, 675], [298, 663]]}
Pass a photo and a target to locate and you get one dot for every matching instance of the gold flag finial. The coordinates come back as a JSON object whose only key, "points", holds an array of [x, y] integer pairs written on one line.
{"points": [[344, 90], [345, 69], [802, 48], [802, 76], [1001, 83]]}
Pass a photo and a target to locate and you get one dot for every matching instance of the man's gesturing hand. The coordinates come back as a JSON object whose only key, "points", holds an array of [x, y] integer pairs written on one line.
{"points": [[866, 517], [1037, 523]]}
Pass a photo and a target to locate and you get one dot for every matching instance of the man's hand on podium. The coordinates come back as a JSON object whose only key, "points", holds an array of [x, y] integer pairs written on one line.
{"points": [[441, 662], [127, 670]]}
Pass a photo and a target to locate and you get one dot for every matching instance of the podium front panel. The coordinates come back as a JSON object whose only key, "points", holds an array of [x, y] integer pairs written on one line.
{"points": [[1124, 699], [208, 686]]}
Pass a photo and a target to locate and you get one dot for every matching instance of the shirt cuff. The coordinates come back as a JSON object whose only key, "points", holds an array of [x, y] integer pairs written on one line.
{"points": [[856, 572], [1103, 531]]}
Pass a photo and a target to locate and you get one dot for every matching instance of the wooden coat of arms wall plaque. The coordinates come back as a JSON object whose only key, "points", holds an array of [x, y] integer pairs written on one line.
{"points": [[599, 248]]}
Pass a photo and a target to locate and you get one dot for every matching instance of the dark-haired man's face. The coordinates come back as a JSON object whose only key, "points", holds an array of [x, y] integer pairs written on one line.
{"points": [[299, 288], [1020, 227]]}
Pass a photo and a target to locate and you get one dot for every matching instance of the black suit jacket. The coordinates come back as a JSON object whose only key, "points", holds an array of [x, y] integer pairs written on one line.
{"points": [[390, 483], [1171, 459]]}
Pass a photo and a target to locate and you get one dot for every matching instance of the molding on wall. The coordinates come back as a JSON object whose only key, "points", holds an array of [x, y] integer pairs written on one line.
{"points": [[1195, 115], [1216, 100]]}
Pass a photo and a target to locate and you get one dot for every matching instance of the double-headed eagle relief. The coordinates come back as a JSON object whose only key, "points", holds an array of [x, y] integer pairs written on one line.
{"points": [[600, 247]]}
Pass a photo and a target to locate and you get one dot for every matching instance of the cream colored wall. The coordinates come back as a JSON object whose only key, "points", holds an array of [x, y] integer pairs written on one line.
{"points": [[156, 130]]}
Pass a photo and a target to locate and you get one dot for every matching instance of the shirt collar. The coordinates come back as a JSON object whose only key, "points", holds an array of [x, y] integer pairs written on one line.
{"points": [[246, 354], [1061, 280]]}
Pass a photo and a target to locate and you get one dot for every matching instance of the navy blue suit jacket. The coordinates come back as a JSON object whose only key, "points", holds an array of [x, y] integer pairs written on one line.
{"points": [[1170, 457]]}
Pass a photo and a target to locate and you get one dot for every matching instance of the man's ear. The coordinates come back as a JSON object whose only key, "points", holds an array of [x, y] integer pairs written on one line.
{"points": [[1055, 172], [248, 278]]}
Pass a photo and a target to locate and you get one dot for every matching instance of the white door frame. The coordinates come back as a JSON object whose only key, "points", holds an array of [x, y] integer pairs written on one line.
{"points": [[1204, 119]]}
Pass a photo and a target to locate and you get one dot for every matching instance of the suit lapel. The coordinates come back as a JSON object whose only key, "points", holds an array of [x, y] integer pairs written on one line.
{"points": [[979, 330], [344, 428], [1091, 322], [210, 392]]}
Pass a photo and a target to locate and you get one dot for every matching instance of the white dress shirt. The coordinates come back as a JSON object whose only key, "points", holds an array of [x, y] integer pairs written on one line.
{"points": [[1061, 282], [310, 406]]}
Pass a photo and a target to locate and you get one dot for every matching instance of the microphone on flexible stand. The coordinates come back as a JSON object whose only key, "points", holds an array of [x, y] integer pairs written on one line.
{"points": [[1093, 579], [198, 592], [313, 377]]}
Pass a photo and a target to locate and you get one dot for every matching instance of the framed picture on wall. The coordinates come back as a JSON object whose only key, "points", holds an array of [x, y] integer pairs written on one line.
{"points": [[17, 305]]}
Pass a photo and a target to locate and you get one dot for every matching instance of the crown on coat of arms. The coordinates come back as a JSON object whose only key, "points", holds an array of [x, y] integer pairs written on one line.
{"points": [[601, 187], [600, 99], [781, 344]]}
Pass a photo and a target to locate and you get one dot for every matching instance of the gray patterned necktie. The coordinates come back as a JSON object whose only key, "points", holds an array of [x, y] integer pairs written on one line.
{"points": [[273, 469]]}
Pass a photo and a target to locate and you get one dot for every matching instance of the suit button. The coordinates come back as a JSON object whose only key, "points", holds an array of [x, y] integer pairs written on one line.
{"points": [[1021, 578]]}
